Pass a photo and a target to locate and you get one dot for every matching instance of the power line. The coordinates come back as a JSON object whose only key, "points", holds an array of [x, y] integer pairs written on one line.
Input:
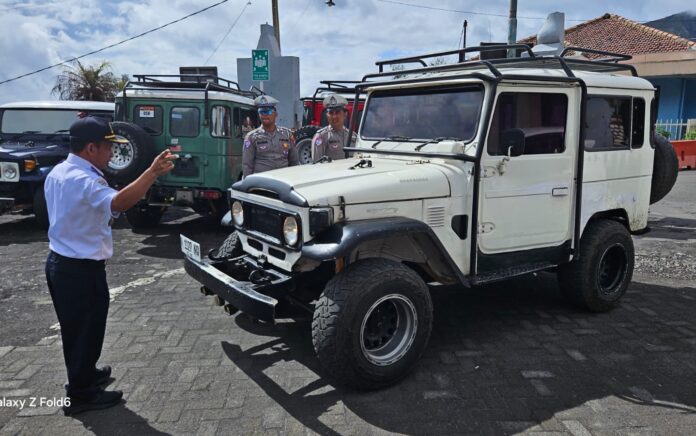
{"points": [[116, 44], [226, 34], [434, 8]]}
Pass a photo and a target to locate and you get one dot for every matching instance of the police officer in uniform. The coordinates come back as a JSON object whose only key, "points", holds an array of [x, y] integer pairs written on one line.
{"points": [[330, 140], [269, 146], [81, 208]]}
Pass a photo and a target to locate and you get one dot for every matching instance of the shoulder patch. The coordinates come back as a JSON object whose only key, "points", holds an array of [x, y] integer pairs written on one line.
{"points": [[102, 181], [247, 143], [317, 141]]}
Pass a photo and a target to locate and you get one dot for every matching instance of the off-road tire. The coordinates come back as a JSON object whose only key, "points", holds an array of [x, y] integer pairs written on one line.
{"points": [[304, 151], [230, 247], [340, 318], [598, 278], [144, 216], [40, 208], [142, 147], [665, 169]]}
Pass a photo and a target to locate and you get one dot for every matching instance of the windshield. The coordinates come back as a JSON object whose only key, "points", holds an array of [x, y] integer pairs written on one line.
{"points": [[40, 120], [423, 114]]}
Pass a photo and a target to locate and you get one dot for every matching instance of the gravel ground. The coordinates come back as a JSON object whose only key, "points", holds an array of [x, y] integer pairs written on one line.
{"points": [[668, 251]]}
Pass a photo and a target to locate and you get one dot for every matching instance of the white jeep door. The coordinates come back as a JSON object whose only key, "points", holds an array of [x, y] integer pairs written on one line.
{"points": [[527, 201]]}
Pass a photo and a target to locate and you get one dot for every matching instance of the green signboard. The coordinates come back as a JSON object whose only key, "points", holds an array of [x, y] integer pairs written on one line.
{"points": [[260, 69]]}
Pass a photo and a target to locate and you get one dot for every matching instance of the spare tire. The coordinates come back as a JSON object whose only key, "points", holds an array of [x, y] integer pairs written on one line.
{"points": [[665, 169], [129, 160]]}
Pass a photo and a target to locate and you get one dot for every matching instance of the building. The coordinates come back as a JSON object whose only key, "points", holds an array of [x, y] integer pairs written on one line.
{"points": [[665, 59]]}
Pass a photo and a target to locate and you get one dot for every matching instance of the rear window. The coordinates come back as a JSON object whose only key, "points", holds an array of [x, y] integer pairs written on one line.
{"points": [[149, 118], [184, 121], [614, 123]]}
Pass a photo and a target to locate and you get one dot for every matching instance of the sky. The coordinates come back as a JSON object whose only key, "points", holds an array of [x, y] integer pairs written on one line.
{"points": [[339, 43]]}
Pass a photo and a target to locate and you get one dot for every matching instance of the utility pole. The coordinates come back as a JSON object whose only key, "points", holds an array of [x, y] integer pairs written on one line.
{"points": [[276, 21], [512, 27]]}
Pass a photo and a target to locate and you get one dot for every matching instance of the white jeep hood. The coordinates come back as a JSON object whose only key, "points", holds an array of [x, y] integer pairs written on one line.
{"points": [[386, 180]]}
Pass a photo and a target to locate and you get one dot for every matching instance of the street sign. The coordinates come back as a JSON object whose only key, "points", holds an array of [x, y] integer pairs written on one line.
{"points": [[260, 69]]}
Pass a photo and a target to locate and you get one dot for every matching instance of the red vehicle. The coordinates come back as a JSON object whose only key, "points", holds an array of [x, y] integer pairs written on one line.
{"points": [[314, 117]]}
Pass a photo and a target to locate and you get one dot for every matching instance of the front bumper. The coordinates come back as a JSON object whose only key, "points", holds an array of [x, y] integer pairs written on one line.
{"points": [[243, 283], [6, 205]]}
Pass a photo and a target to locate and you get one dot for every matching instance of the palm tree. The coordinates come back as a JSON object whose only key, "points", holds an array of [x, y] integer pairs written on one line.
{"points": [[80, 82]]}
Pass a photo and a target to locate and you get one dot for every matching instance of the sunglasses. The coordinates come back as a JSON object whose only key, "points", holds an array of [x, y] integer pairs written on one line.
{"points": [[267, 111]]}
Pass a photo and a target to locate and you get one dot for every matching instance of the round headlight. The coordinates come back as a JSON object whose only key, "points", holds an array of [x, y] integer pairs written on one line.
{"points": [[10, 172], [238, 213], [290, 230]]}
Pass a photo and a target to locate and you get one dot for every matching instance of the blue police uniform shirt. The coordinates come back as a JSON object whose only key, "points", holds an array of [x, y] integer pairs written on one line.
{"points": [[78, 199]]}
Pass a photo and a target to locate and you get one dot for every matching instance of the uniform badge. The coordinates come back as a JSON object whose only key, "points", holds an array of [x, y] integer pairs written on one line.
{"points": [[318, 141], [285, 145], [247, 143]]}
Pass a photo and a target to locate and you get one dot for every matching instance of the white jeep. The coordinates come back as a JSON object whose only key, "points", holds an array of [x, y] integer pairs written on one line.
{"points": [[465, 174]]}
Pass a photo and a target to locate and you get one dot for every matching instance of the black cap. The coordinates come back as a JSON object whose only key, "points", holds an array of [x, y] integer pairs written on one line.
{"points": [[93, 129]]}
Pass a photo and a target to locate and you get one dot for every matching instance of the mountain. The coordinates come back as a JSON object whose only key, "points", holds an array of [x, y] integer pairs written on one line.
{"points": [[682, 24]]}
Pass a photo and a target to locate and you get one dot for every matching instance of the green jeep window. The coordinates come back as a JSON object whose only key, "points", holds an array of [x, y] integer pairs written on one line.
{"points": [[149, 118], [245, 120], [184, 121], [220, 122]]}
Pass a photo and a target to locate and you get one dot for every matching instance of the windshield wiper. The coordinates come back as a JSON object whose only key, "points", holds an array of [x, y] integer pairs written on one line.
{"points": [[56, 133], [392, 138], [437, 140], [26, 132]]}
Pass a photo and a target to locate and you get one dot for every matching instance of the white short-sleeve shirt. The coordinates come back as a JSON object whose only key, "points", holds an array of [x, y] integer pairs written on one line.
{"points": [[78, 199]]}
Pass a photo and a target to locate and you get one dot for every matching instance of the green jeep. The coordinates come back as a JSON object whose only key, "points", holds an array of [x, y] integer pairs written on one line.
{"points": [[201, 118]]}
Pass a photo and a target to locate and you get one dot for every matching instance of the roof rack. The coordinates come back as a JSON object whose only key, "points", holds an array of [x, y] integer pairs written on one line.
{"points": [[493, 65], [190, 81]]}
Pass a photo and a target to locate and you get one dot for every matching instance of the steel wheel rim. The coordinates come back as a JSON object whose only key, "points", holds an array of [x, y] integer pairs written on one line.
{"points": [[612, 269], [305, 152], [121, 154], [388, 329]]}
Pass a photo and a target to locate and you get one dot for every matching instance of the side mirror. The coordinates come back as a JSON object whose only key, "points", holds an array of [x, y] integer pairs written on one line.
{"points": [[512, 140]]}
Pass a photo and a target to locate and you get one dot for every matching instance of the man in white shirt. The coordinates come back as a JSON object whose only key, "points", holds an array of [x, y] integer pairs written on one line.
{"points": [[81, 208]]}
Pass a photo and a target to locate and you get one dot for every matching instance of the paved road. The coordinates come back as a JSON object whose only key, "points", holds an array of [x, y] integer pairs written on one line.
{"points": [[502, 359]]}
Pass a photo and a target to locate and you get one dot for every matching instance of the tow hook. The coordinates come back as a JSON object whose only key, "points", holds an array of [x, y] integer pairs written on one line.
{"points": [[230, 309], [259, 276]]}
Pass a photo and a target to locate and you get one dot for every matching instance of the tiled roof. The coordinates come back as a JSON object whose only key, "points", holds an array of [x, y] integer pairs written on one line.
{"points": [[617, 34]]}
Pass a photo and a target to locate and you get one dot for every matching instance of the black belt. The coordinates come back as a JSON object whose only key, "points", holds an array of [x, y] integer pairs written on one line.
{"points": [[88, 263]]}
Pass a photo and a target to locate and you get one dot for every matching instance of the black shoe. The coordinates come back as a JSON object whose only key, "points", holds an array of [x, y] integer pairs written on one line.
{"points": [[103, 375], [103, 400]]}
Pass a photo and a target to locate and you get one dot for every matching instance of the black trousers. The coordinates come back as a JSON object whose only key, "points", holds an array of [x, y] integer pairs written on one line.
{"points": [[80, 296]]}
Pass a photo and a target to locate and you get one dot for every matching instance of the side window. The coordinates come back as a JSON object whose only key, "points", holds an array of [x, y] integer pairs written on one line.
{"points": [[541, 116], [184, 121], [638, 123], [245, 120], [221, 122], [149, 118], [614, 123]]}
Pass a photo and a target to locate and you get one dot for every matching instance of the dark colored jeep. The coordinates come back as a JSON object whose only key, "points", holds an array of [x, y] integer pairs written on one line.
{"points": [[34, 137]]}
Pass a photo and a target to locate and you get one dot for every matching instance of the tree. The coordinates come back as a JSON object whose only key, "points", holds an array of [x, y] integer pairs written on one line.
{"points": [[85, 82]]}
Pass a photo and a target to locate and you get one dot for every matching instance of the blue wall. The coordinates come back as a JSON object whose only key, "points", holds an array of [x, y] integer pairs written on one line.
{"points": [[671, 98], [690, 99]]}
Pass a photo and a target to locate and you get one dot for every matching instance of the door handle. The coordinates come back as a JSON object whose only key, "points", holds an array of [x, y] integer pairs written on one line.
{"points": [[559, 192]]}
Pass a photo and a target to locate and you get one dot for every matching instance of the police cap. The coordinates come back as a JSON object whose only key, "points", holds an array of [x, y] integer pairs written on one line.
{"points": [[93, 129], [335, 101], [265, 101]]}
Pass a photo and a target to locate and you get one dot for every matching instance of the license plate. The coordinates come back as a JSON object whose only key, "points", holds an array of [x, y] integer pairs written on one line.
{"points": [[184, 196], [190, 248]]}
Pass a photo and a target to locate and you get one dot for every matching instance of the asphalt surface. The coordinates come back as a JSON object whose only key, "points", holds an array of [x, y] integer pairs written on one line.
{"points": [[502, 359]]}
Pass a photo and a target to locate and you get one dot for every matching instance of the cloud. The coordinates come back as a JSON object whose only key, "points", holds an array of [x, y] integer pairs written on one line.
{"points": [[341, 42]]}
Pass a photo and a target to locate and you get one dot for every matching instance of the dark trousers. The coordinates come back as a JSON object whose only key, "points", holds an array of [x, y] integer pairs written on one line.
{"points": [[81, 298]]}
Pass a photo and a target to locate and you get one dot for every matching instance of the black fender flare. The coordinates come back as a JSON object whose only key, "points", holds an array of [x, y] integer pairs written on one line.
{"points": [[343, 239]]}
